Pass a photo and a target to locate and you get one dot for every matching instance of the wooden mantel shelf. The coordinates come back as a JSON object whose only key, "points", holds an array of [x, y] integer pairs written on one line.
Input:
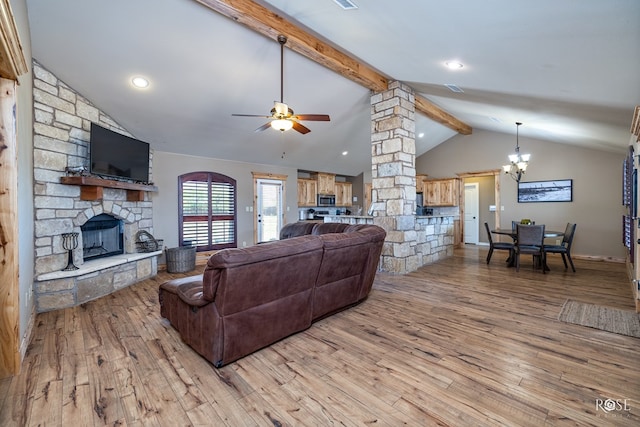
{"points": [[91, 187]]}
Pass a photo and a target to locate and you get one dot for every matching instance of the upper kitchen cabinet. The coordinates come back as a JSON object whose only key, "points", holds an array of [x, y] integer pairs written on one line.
{"points": [[326, 182], [307, 192], [344, 193], [420, 178], [441, 192]]}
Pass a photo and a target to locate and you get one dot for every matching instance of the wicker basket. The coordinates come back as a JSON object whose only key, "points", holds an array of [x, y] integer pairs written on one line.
{"points": [[181, 260], [145, 242]]}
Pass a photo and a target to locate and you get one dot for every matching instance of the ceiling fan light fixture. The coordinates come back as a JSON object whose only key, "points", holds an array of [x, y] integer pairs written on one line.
{"points": [[282, 124], [282, 116], [281, 109]]}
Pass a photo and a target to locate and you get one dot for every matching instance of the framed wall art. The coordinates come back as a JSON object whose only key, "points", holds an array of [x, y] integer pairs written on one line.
{"points": [[559, 190]]}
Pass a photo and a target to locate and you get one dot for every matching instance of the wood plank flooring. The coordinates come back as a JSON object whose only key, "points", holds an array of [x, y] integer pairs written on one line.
{"points": [[457, 343]]}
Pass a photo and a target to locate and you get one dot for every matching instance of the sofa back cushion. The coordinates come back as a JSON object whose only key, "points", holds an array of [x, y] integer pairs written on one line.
{"points": [[376, 237], [328, 227], [295, 229], [340, 277], [263, 293], [237, 279]]}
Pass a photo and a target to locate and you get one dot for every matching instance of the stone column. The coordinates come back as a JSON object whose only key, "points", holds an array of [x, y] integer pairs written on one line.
{"points": [[393, 153]]}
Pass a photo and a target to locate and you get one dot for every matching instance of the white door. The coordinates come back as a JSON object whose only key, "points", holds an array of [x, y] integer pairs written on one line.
{"points": [[269, 209], [471, 213]]}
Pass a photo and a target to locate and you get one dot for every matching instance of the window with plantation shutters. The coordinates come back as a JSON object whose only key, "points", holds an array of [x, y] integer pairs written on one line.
{"points": [[207, 203]]}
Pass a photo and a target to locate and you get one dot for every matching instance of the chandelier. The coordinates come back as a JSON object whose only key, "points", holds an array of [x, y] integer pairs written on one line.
{"points": [[519, 162]]}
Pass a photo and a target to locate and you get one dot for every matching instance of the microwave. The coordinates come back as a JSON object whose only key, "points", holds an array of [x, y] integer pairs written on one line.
{"points": [[326, 200]]}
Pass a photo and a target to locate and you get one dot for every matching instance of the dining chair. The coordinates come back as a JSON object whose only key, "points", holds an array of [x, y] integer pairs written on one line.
{"points": [[530, 240], [564, 248], [507, 246], [514, 224]]}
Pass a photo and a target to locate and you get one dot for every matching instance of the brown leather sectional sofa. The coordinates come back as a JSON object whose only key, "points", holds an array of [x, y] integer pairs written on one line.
{"points": [[249, 298]]}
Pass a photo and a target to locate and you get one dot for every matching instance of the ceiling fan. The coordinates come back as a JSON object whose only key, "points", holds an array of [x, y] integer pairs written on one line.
{"points": [[282, 117]]}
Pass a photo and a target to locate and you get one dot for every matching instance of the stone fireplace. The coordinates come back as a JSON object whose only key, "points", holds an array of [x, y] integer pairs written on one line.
{"points": [[101, 237], [107, 223]]}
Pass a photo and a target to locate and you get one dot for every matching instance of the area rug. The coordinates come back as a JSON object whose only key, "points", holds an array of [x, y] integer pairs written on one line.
{"points": [[623, 322]]}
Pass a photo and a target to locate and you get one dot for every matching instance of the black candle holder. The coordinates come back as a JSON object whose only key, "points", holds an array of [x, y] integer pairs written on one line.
{"points": [[70, 242]]}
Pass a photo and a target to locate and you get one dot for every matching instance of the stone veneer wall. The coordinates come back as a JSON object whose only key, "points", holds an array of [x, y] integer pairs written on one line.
{"points": [[62, 120], [410, 243]]}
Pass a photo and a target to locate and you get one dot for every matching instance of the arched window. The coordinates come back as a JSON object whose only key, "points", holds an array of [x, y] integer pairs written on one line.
{"points": [[207, 211]]}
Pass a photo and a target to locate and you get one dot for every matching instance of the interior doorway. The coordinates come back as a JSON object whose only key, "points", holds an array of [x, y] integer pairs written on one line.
{"points": [[471, 213], [493, 217]]}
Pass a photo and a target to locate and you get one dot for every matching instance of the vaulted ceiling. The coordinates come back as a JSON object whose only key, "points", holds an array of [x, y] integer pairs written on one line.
{"points": [[569, 70]]}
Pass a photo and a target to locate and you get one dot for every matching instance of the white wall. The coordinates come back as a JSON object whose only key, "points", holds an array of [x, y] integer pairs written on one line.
{"points": [[168, 166], [597, 184]]}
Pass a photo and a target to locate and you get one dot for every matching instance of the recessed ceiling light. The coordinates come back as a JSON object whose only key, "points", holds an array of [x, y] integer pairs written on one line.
{"points": [[140, 82], [421, 134], [344, 153], [453, 65]]}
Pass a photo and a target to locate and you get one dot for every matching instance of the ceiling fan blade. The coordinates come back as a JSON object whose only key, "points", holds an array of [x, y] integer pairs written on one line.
{"points": [[251, 115], [263, 127], [300, 128], [313, 117]]}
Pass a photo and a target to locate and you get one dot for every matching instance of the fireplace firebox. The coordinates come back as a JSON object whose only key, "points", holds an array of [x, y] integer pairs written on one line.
{"points": [[102, 236]]}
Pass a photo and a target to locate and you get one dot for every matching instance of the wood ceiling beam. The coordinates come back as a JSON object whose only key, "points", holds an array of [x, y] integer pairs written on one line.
{"points": [[270, 24], [437, 114]]}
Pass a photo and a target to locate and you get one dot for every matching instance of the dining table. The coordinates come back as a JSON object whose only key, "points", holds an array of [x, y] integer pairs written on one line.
{"points": [[513, 233]]}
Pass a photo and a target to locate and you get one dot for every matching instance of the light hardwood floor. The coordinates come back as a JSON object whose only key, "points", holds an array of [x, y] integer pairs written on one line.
{"points": [[457, 343]]}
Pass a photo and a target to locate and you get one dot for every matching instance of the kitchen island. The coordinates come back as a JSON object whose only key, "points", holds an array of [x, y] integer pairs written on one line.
{"points": [[349, 219], [435, 234]]}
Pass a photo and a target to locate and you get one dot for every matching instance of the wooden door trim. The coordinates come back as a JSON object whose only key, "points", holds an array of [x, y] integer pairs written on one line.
{"points": [[274, 177], [496, 179], [12, 65], [12, 61], [9, 285]]}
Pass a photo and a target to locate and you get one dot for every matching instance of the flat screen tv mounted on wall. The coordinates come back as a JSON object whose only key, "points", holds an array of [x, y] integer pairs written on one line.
{"points": [[115, 155]]}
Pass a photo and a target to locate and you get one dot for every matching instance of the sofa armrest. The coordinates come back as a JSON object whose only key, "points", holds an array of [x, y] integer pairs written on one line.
{"points": [[189, 289]]}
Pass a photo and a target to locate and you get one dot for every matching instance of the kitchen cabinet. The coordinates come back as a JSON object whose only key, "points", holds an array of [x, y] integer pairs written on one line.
{"points": [[307, 192], [326, 182], [420, 178], [344, 193], [441, 192]]}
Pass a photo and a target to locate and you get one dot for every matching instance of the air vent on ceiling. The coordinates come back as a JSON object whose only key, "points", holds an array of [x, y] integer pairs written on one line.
{"points": [[346, 4], [454, 88]]}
